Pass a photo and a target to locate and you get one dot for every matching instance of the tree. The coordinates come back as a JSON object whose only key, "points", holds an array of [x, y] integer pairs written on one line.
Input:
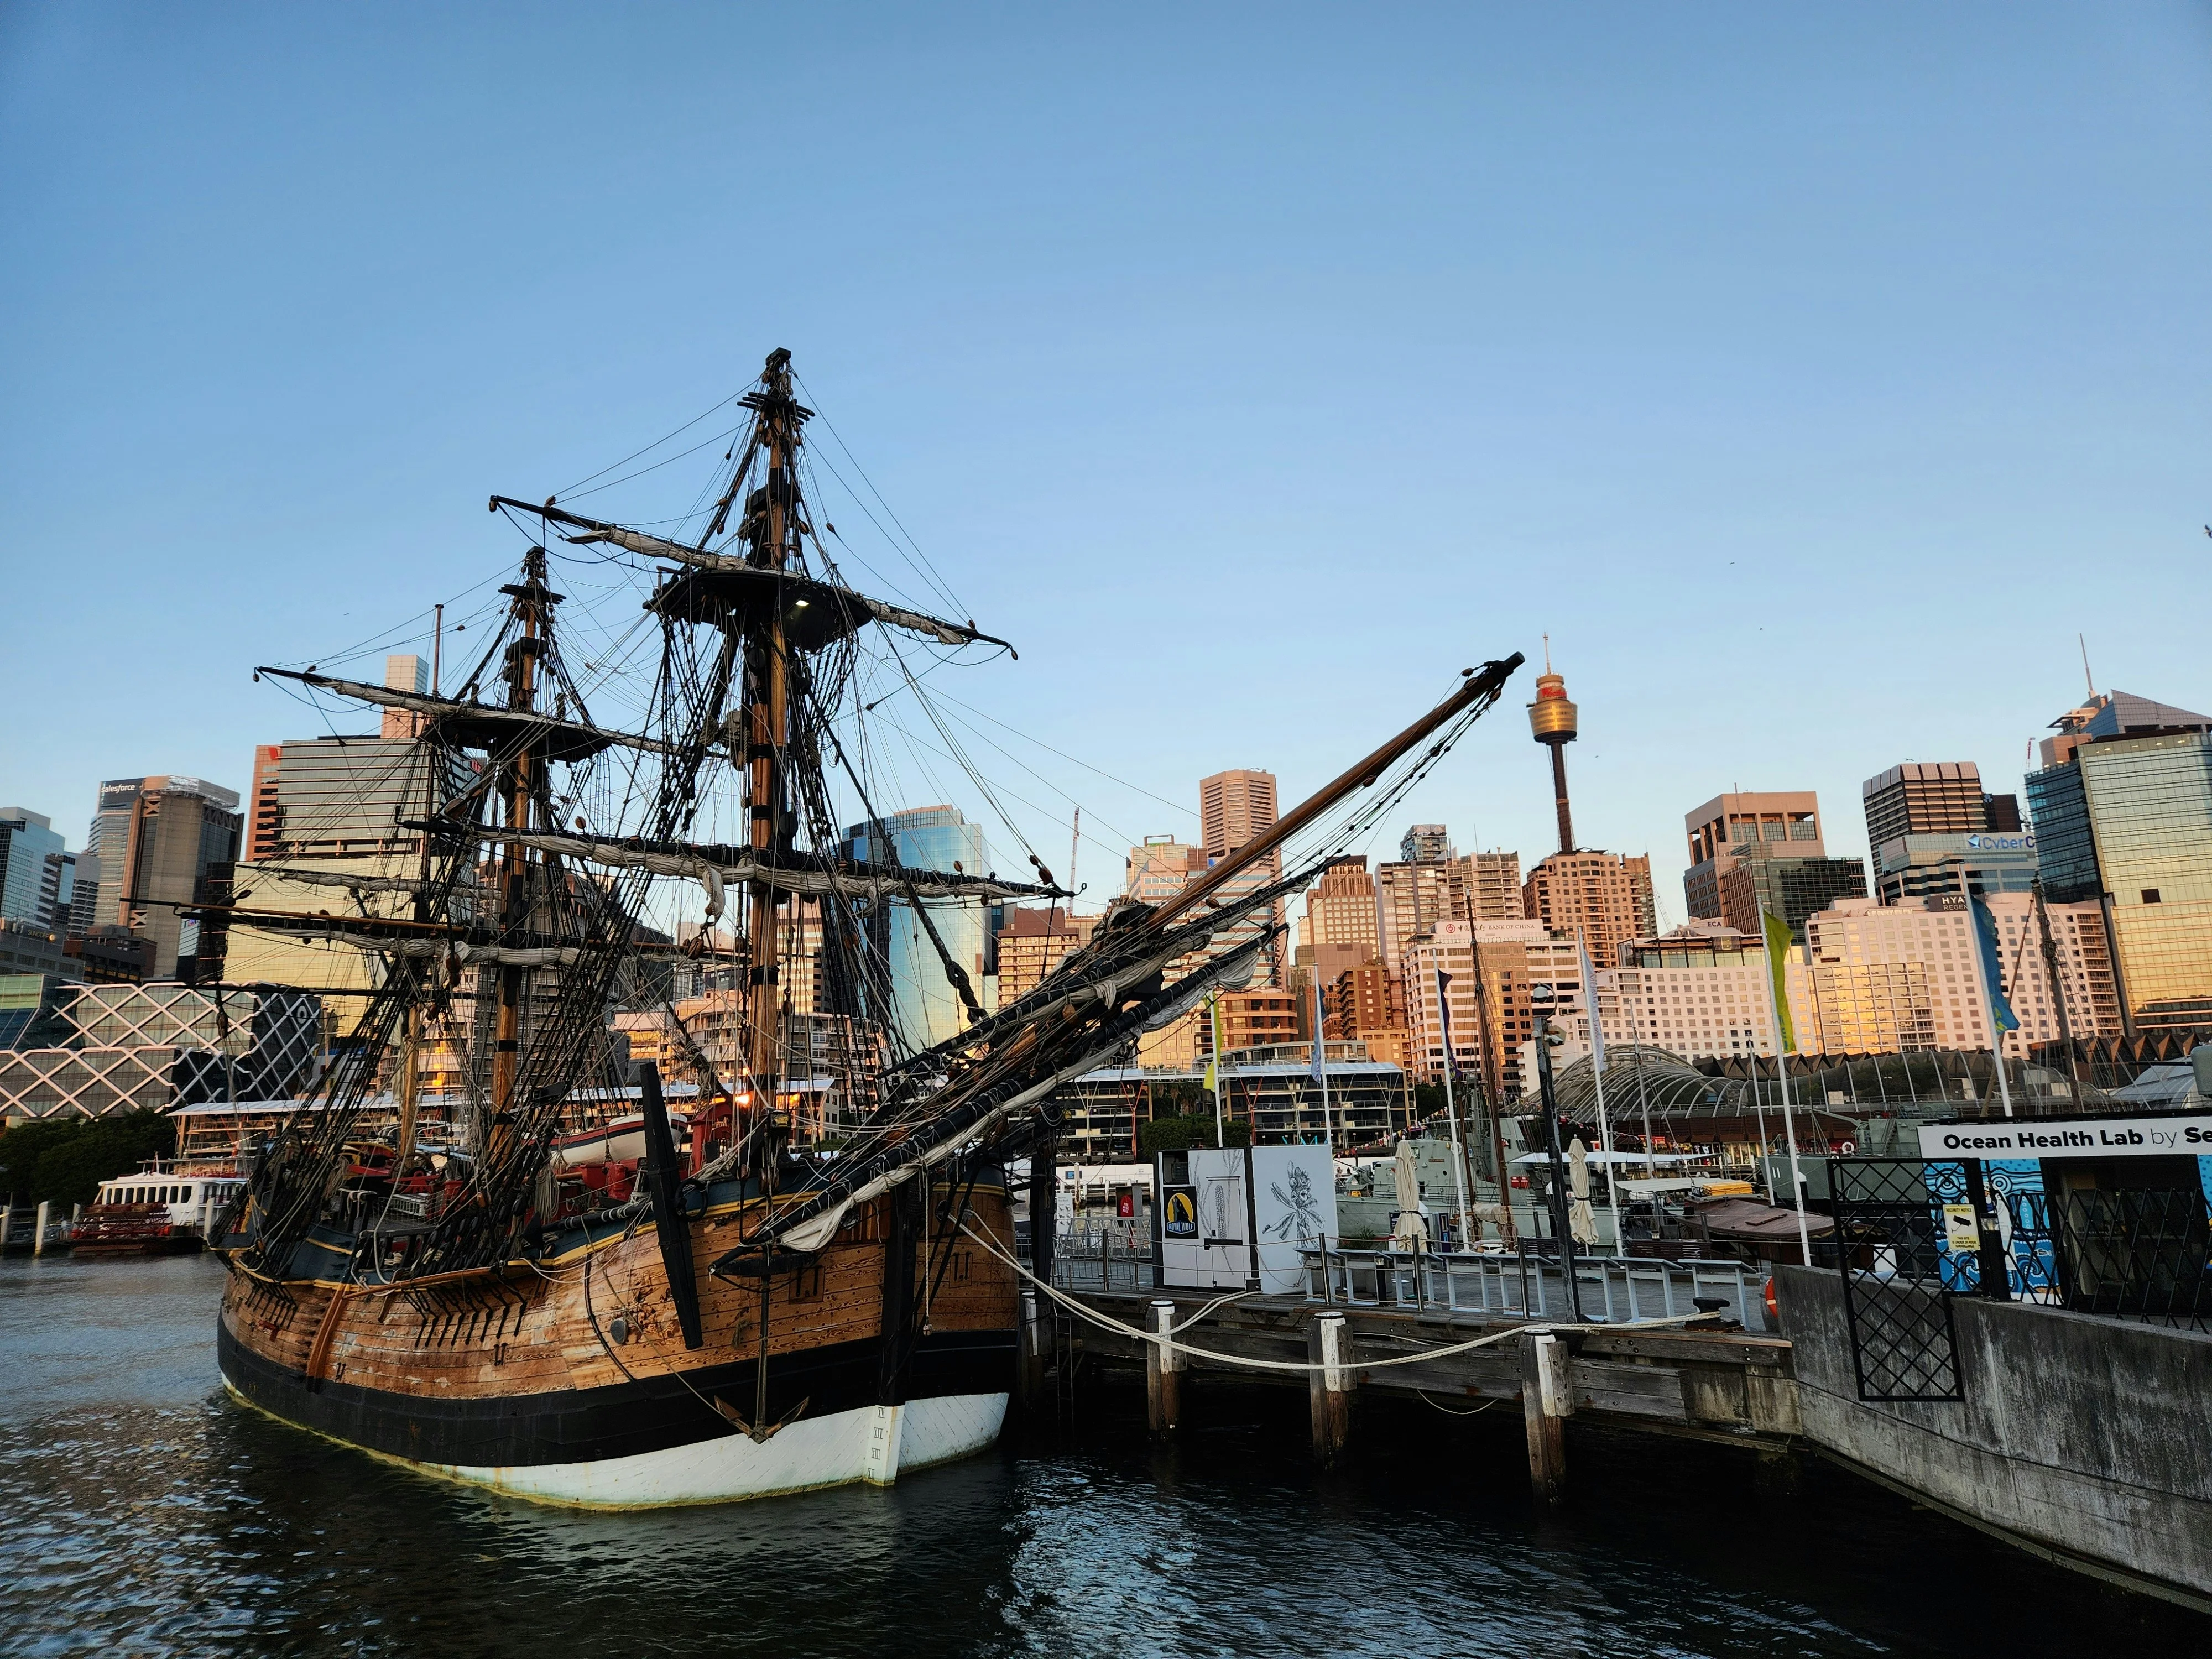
{"points": [[63, 1160], [1178, 1135]]}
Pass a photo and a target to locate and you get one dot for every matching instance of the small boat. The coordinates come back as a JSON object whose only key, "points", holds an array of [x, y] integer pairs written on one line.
{"points": [[622, 1141], [159, 1211]]}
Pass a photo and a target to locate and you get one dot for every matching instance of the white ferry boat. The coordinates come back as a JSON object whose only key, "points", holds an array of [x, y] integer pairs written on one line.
{"points": [[159, 1211]]}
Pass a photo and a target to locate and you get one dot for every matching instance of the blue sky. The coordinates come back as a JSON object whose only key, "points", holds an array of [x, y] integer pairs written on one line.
{"points": [[1812, 377]]}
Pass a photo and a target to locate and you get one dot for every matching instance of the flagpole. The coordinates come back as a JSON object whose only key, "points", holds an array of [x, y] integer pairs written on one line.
{"points": [[1777, 962], [1320, 1066], [1451, 1108], [1213, 1023], [1604, 1124], [1990, 993]]}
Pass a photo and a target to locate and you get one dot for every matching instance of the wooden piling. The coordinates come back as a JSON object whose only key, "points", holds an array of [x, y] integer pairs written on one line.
{"points": [[1329, 1347], [38, 1238], [1029, 1364], [1163, 1368], [1546, 1401]]}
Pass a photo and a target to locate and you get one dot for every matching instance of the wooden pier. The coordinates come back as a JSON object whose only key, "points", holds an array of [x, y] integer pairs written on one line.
{"points": [[1700, 1379]]}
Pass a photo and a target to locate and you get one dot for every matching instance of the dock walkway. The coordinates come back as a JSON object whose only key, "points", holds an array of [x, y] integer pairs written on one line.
{"points": [[1702, 1379]]}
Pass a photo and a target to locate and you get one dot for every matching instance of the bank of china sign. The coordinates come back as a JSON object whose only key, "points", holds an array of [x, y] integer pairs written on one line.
{"points": [[2102, 1137]]}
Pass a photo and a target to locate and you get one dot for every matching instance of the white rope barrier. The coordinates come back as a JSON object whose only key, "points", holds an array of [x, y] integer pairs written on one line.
{"points": [[1105, 1323]]}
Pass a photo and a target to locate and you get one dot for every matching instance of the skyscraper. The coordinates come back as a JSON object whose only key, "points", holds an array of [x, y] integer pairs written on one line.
{"points": [[1426, 843], [1754, 853], [36, 874], [1604, 900], [920, 1003], [157, 839], [1493, 886], [1341, 918], [2123, 811], [1720, 828], [1030, 942], [324, 809], [1924, 798], [1412, 899], [1233, 808], [1157, 871]]}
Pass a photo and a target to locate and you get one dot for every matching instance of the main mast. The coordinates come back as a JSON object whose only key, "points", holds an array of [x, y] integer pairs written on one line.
{"points": [[771, 518], [533, 607]]}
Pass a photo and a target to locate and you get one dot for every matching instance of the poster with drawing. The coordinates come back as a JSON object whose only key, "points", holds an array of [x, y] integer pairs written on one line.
{"points": [[1294, 1198]]}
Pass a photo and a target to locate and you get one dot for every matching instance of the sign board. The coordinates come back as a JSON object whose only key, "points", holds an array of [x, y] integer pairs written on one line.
{"points": [[1288, 1193], [1961, 1230], [2094, 1137], [1179, 1215]]}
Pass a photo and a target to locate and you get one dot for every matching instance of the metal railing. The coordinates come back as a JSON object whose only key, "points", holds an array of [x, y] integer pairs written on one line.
{"points": [[1112, 1254], [1528, 1285]]}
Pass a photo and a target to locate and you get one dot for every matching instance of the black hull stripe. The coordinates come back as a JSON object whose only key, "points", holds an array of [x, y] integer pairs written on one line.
{"points": [[589, 1425]]}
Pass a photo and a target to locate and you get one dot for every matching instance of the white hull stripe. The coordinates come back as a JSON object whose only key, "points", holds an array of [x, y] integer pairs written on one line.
{"points": [[873, 1443]]}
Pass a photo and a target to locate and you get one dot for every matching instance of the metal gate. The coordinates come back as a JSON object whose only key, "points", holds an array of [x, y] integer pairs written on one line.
{"points": [[1896, 1304]]}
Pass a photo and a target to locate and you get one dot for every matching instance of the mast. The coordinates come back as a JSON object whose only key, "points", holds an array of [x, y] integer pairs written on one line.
{"points": [[533, 604], [767, 688]]}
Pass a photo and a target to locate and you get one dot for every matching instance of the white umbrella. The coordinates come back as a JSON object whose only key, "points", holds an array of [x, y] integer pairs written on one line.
{"points": [[1409, 1226], [1582, 1222]]}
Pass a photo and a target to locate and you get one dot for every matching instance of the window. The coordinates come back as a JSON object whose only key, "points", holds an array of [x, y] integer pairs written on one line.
{"points": [[2150, 894]]}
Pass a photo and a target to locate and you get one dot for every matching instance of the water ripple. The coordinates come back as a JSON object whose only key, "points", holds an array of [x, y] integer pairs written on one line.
{"points": [[146, 1514]]}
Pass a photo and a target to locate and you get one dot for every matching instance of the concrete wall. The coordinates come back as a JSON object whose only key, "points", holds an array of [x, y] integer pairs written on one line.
{"points": [[2091, 1436]]}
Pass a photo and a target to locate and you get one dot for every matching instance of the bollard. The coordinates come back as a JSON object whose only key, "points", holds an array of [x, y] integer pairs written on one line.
{"points": [[1546, 1404], [1029, 1364], [1328, 1345], [1164, 1367], [38, 1238]]}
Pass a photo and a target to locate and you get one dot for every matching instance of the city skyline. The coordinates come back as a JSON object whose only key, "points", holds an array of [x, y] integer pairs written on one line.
{"points": [[1748, 406]]}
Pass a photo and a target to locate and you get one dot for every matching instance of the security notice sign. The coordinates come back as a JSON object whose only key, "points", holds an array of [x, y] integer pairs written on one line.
{"points": [[2075, 1136]]}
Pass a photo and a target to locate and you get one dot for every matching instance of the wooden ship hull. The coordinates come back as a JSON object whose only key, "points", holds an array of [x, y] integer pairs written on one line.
{"points": [[565, 1379]]}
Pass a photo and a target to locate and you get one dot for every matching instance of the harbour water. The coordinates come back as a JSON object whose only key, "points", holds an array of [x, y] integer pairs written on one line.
{"points": [[143, 1512]]}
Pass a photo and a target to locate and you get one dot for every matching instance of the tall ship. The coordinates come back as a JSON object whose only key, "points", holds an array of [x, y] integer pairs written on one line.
{"points": [[756, 1305]]}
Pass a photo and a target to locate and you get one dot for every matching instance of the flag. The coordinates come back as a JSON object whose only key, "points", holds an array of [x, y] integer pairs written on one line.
{"points": [[1211, 1082], [1443, 1009], [1985, 935], [1777, 962], [1589, 1002]]}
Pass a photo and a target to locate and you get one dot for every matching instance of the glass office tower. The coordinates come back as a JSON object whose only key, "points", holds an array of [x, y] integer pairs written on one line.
{"points": [[2151, 802], [924, 1009], [2143, 806], [36, 872]]}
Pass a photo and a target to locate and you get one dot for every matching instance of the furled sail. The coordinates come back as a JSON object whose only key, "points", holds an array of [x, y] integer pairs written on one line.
{"points": [[735, 864], [810, 592], [483, 726]]}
